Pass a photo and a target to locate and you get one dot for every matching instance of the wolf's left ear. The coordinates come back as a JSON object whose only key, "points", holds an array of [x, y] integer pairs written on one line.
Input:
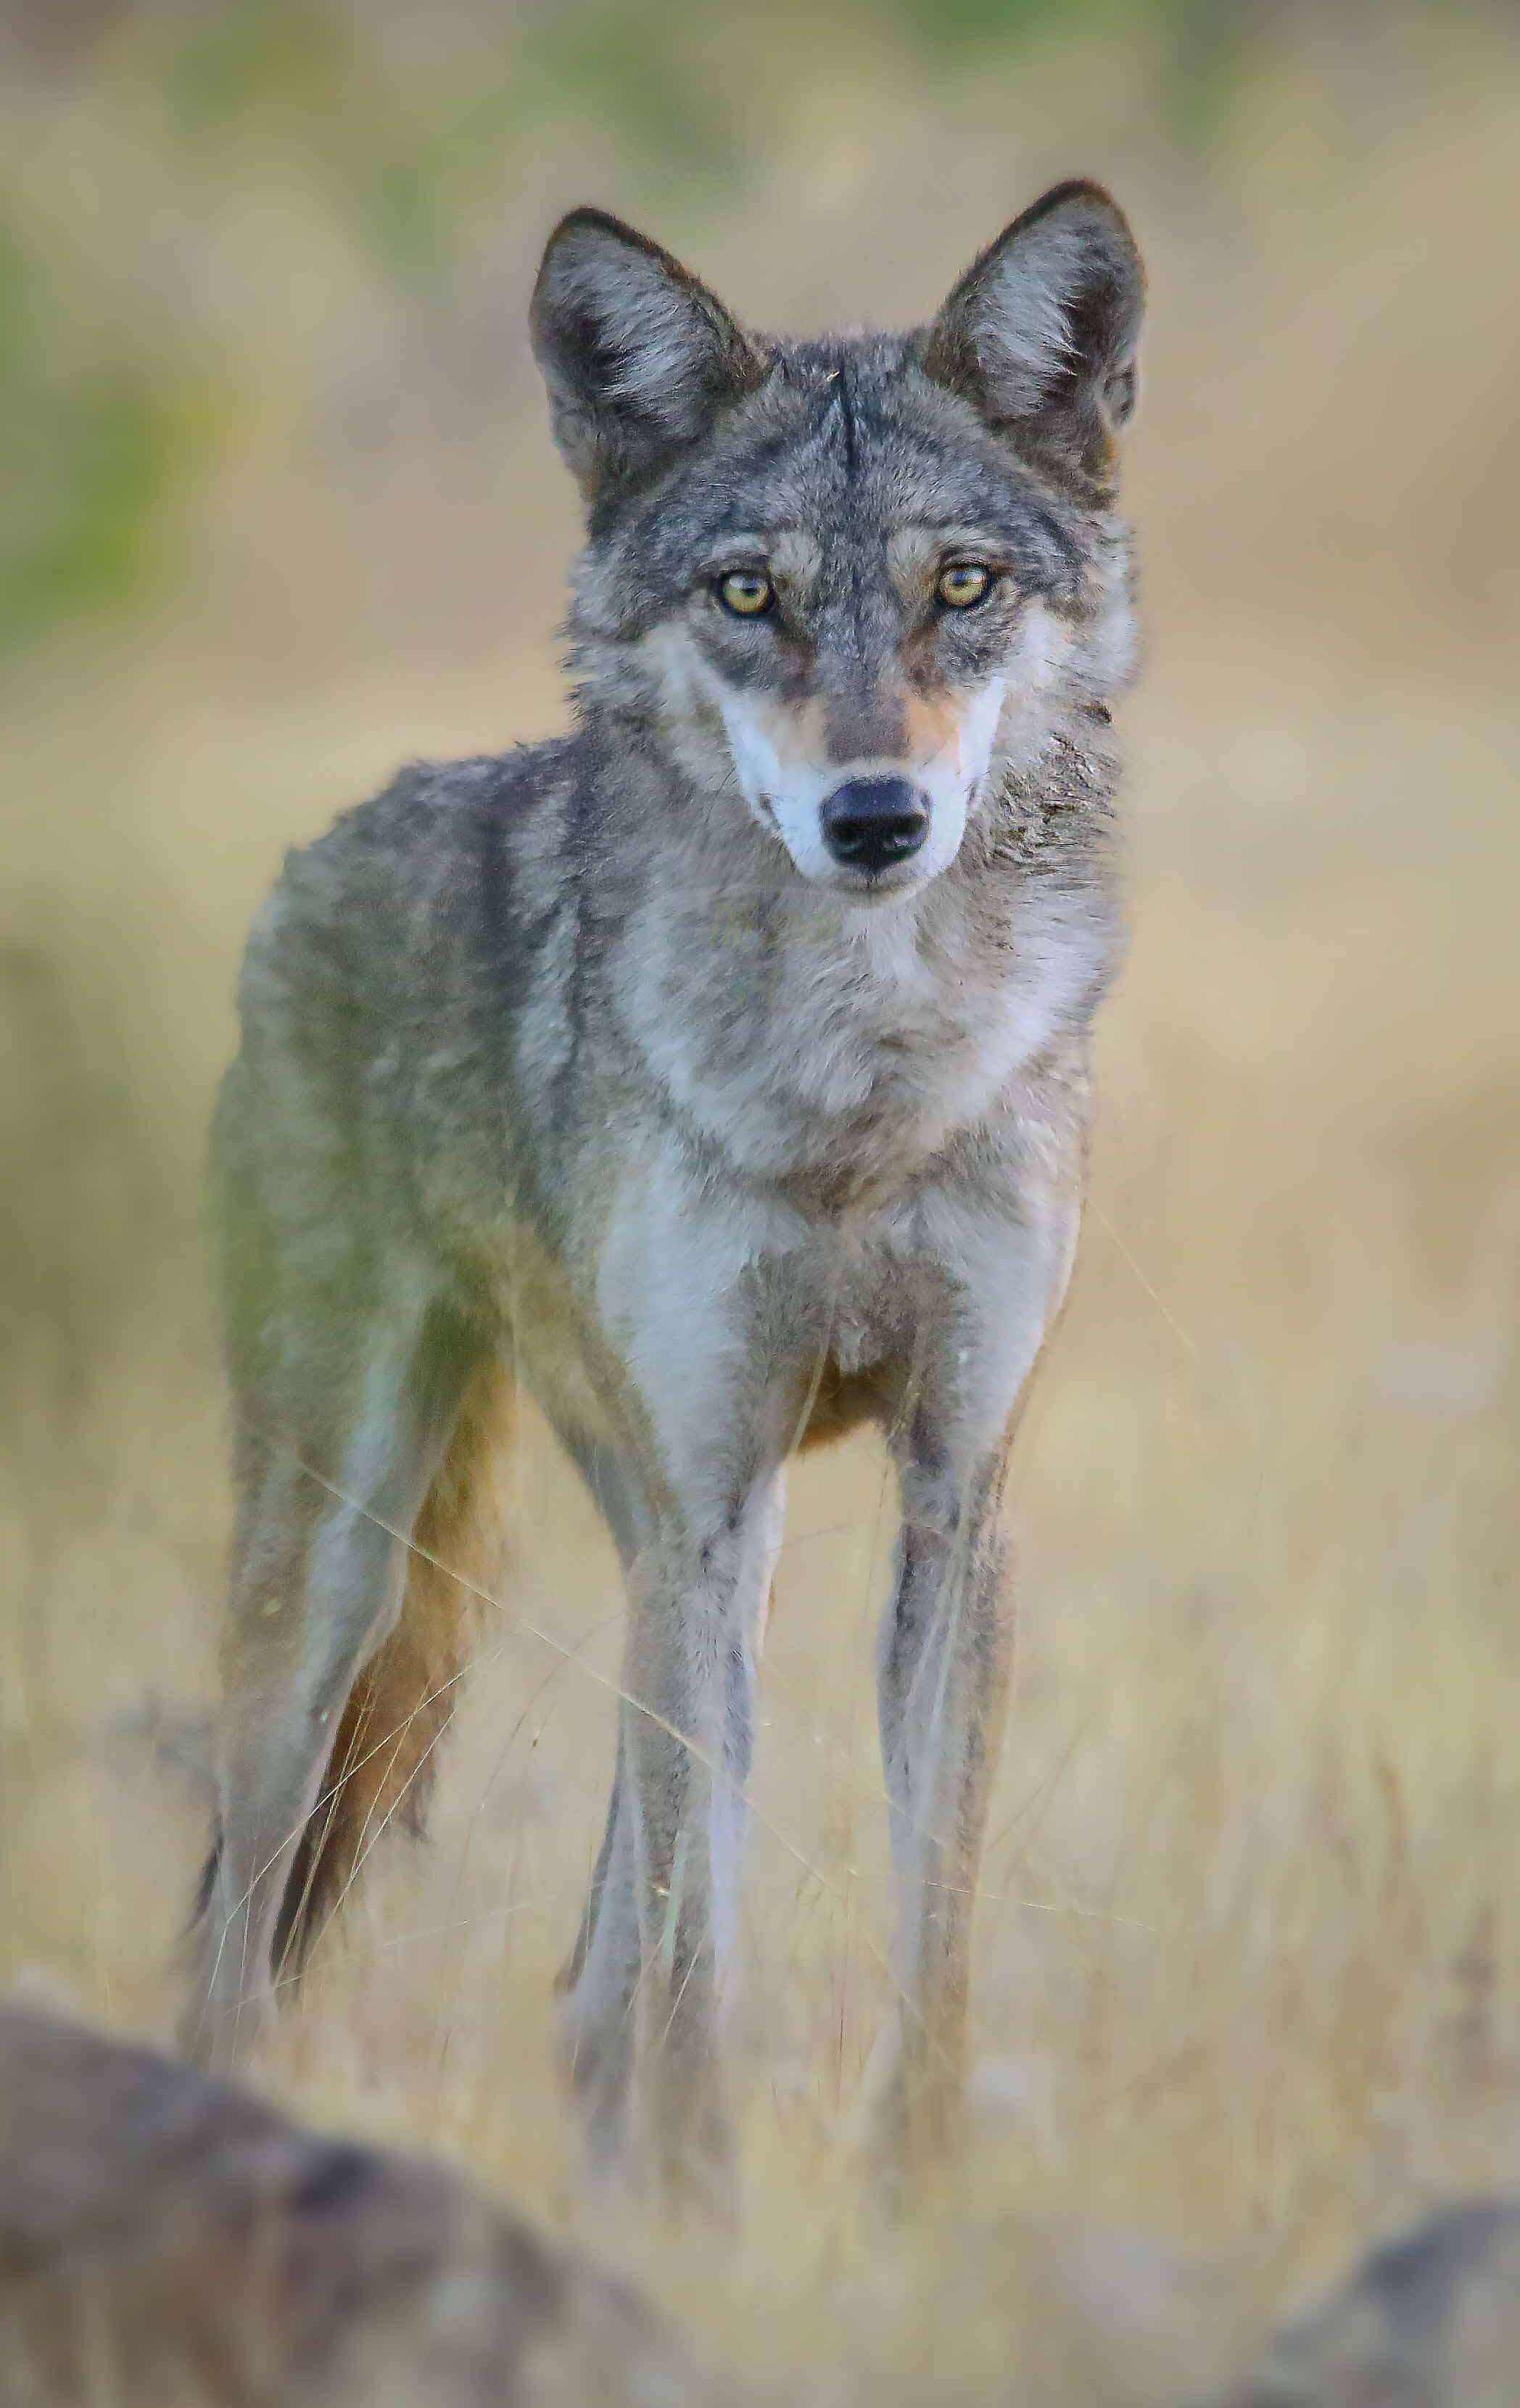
{"points": [[1040, 331], [638, 356]]}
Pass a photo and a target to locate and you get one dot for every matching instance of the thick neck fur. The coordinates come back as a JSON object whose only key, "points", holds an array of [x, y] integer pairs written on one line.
{"points": [[834, 1048]]}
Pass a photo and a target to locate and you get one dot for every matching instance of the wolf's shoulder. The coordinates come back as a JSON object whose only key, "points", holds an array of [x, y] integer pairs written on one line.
{"points": [[441, 842], [435, 819]]}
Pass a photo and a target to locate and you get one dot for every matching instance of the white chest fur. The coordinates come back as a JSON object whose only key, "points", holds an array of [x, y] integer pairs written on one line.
{"points": [[864, 1033]]}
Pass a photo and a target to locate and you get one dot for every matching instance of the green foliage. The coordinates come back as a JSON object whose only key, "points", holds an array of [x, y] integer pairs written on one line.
{"points": [[629, 64], [953, 28], [95, 450], [101, 437], [256, 59], [412, 147], [1203, 45], [408, 164]]}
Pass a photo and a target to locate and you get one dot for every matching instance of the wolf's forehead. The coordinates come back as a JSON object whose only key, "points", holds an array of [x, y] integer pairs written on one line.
{"points": [[823, 484], [831, 472], [811, 489]]}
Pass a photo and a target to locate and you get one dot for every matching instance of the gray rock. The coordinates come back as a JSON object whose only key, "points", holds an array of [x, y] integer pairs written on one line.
{"points": [[1431, 2320], [167, 2240]]}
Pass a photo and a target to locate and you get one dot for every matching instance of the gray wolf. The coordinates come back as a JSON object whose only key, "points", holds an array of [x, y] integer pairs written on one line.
{"points": [[168, 2242], [718, 1075]]}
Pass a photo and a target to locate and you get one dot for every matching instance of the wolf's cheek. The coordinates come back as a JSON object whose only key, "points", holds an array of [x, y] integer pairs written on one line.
{"points": [[757, 763], [952, 776], [1035, 674], [784, 796]]}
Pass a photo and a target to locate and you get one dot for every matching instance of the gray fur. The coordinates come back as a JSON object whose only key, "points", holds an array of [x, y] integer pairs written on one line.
{"points": [[588, 1057]]}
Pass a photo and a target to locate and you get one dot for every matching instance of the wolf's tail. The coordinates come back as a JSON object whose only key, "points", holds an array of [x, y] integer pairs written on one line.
{"points": [[386, 1755]]}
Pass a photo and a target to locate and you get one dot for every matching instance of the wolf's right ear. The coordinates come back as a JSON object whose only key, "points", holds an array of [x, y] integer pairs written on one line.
{"points": [[637, 355], [1040, 333]]}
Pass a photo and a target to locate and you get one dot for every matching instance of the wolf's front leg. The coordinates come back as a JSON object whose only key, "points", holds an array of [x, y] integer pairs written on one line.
{"points": [[945, 1658], [643, 2005], [944, 1666], [702, 1427]]}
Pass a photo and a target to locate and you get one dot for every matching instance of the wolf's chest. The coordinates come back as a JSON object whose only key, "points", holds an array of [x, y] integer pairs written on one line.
{"points": [[878, 1050], [866, 1062], [835, 1059]]}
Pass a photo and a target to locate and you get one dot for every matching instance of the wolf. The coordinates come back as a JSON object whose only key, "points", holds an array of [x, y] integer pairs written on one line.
{"points": [[717, 1076]]}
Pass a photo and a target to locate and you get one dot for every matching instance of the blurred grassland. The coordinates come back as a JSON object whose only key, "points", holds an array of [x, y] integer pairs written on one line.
{"points": [[1249, 1984]]}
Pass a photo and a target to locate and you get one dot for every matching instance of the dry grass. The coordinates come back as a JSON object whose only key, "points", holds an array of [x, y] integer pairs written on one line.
{"points": [[1248, 1977]]}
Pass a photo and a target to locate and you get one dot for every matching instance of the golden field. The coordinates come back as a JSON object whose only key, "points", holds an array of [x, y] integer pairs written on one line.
{"points": [[1249, 1980]]}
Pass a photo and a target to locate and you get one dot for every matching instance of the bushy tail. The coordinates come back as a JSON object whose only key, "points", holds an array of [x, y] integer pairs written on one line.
{"points": [[386, 1753]]}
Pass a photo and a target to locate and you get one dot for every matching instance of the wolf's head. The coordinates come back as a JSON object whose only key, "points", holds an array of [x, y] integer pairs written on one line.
{"points": [[855, 578]]}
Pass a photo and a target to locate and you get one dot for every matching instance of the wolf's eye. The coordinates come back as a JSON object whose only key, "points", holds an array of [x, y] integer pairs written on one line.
{"points": [[964, 584], [747, 592]]}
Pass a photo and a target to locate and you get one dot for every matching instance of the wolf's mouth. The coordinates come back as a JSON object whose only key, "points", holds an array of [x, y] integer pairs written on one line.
{"points": [[877, 885]]}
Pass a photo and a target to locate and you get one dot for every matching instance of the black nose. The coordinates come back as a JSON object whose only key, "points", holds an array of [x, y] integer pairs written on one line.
{"points": [[870, 823]]}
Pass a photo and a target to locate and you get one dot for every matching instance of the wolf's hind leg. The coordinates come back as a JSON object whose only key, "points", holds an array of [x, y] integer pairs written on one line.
{"points": [[385, 1759], [317, 1589], [617, 1500]]}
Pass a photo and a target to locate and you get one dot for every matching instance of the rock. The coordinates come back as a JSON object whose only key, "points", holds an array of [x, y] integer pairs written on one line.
{"points": [[1429, 2321], [166, 2239]]}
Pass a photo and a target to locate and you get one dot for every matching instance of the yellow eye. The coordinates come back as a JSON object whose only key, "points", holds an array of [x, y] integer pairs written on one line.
{"points": [[746, 591], [964, 584]]}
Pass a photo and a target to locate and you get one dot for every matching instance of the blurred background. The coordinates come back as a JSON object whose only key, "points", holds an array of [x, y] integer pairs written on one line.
{"points": [[278, 510]]}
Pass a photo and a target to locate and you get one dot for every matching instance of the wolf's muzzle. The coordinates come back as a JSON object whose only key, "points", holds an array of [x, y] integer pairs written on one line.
{"points": [[872, 823]]}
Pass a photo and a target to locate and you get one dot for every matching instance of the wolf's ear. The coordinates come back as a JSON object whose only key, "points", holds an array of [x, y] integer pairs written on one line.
{"points": [[1040, 331], [638, 356]]}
